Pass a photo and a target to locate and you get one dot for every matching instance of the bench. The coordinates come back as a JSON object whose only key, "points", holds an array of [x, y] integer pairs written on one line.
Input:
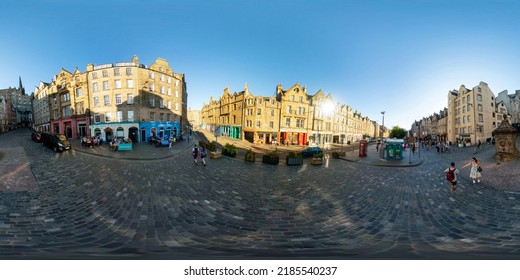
{"points": [[124, 147]]}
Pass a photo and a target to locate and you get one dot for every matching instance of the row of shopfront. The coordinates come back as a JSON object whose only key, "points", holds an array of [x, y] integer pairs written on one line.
{"points": [[284, 137], [137, 132]]}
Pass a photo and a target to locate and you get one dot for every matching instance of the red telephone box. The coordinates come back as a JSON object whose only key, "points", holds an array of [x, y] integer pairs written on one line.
{"points": [[363, 145]]}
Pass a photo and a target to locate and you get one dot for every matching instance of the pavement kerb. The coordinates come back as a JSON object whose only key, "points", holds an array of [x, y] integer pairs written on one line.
{"points": [[112, 154], [383, 163], [364, 161]]}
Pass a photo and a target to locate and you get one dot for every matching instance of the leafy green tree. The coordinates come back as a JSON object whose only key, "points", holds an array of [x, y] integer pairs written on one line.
{"points": [[397, 132]]}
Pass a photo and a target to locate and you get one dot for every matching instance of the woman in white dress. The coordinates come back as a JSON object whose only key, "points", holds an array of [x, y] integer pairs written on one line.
{"points": [[475, 172]]}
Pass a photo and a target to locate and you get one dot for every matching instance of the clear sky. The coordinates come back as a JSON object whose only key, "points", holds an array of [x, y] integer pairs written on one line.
{"points": [[399, 56]]}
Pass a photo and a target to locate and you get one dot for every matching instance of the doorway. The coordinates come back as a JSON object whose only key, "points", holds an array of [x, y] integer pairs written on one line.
{"points": [[132, 134], [82, 128], [143, 135], [108, 133]]}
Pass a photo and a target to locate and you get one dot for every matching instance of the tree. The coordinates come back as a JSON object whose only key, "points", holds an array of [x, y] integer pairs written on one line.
{"points": [[397, 132]]}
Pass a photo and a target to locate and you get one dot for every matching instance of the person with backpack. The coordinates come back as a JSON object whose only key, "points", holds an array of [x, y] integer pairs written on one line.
{"points": [[195, 153], [451, 175], [203, 154]]}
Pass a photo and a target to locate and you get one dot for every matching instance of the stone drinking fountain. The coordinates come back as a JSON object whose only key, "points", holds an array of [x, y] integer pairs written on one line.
{"points": [[505, 141]]}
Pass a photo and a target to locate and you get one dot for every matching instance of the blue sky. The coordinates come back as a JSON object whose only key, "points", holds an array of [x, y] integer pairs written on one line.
{"points": [[399, 56]]}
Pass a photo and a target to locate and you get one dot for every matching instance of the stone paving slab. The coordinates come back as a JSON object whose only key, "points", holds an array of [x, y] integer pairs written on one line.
{"points": [[92, 206], [15, 171]]}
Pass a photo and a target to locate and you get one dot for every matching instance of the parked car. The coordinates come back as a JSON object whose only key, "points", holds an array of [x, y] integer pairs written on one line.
{"points": [[57, 142], [36, 136], [310, 151]]}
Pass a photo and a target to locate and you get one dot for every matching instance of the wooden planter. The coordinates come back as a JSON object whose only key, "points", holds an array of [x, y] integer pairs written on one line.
{"points": [[317, 161], [215, 154], [250, 157], [294, 160], [273, 160]]}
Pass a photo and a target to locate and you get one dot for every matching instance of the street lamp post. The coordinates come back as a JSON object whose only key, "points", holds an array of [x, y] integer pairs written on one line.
{"points": [[319, 135], [383, 126], [419, 140]]}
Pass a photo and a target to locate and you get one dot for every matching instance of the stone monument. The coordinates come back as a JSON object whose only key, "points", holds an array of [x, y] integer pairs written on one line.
{"points": [[505, 141]]}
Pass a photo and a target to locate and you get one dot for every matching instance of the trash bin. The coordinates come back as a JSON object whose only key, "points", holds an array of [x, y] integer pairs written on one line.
{"points": [[398, 152], [363, 145], [390, 151], [394, 149]]}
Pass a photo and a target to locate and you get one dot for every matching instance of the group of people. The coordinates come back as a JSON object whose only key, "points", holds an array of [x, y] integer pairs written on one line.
{"points": [[91, 141], [114, 144], [443, 147], [452, 172], [197, 152]]}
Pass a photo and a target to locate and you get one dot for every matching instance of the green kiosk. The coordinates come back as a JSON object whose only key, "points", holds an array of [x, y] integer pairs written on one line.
{"points": [[394, 149]]}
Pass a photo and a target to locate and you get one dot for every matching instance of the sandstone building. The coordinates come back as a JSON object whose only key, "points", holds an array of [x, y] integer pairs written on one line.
{"points": [[125, 99], [471, 114], [15, 108], [512, 104], [292, 116]]}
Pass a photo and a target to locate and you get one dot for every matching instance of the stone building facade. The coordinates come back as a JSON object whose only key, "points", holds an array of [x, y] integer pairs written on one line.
{"points": [[16, 109], [471, 114], [433, 127], [295, 108], [67, 104], [512, 104], [41, 109], [290, 117], [5, 114], [194, 118], [125, 99]]}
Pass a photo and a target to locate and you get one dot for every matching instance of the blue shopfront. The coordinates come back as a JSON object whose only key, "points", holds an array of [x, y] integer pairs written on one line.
{"points": [[163, 130]]}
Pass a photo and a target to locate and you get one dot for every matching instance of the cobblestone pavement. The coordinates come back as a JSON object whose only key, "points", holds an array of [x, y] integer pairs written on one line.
{"points": [[96, 204]]}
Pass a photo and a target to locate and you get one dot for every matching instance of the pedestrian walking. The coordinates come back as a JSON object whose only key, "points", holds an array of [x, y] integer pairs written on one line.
{"points": [[451, 175], [478, 144], [476, 171], [203, 155], [195, 153]]}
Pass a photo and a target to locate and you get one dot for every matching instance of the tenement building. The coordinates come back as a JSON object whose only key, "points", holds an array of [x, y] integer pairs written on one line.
{"points": [[471, 114], [125, 99], [41, 108], [290, 117], [512, 104], [194, 118], [434, 127], [16, 109], [5, 114]]}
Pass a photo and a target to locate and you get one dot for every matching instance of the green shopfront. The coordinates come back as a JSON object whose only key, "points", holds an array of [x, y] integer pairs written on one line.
{"points": [[233, 131]]}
